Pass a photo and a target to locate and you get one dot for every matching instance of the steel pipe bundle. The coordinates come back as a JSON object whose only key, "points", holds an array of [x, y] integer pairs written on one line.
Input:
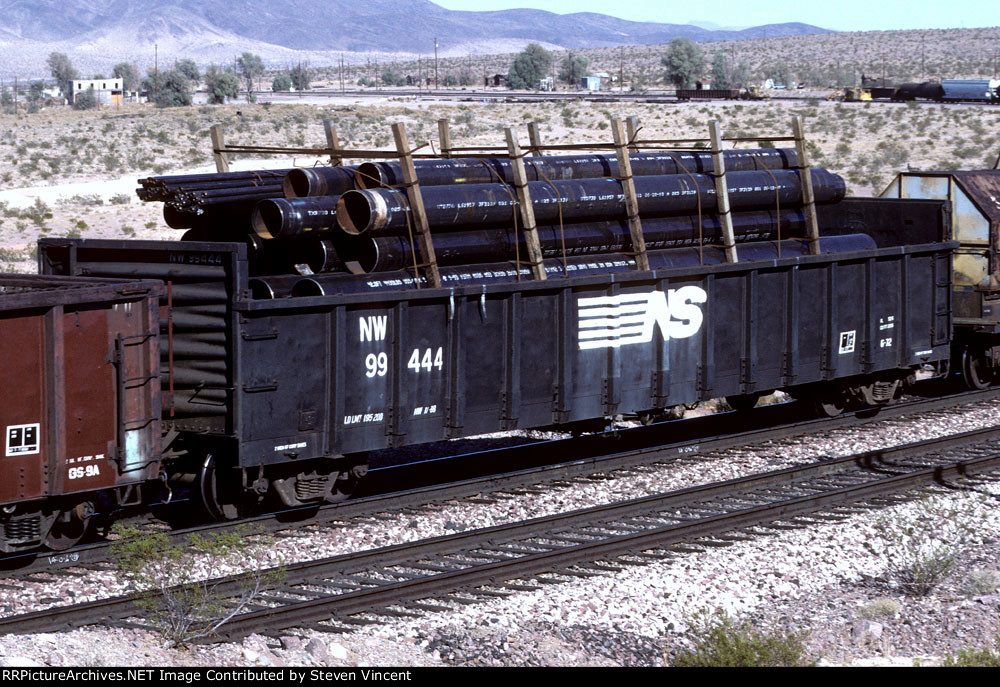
{"points": [[189, 193], [363, 254], [490, 170], [577, 266], [384, 211]]}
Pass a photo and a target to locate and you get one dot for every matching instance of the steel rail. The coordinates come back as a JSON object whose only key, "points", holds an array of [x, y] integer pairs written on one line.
{"points": [[498, 571], [389, 494]]}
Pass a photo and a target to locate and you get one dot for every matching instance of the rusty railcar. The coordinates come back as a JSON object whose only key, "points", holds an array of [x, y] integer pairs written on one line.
{"points": [[81, 403]]}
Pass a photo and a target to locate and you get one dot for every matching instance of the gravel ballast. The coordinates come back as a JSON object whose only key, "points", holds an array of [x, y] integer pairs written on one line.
{"points": [[818, 579]]}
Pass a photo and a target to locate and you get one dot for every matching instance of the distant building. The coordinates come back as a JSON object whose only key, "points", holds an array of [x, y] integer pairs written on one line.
{"points": [[495, 80], [107, 91], [546, 84], [591, 82]]}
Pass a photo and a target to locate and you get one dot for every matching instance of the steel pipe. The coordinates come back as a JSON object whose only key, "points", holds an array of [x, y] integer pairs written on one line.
{"points": [[282, 217], [384, 211], [491, 170], [577, 266], [302, 182], [363, 254]]}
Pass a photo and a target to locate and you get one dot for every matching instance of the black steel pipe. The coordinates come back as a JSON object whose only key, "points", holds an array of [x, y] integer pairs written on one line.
{"points": [[384, 211], [284, 217], [366, 253], [273, 286], [492, 170], [318, 255], [577, 266], [302, 182]]}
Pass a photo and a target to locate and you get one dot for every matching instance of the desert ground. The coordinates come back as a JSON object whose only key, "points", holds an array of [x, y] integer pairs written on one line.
{"points": [[72, 173]]}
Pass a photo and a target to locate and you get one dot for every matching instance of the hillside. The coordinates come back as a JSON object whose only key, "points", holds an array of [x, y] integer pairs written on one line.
{"points": [[311, 30]]}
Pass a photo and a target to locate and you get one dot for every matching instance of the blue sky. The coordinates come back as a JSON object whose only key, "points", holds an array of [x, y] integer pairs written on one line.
{"points": [[841, 15]]}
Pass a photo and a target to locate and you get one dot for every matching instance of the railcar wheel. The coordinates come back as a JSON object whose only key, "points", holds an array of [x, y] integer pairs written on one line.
{"points": [[743, 402], [217, 499], [830, 404], [977, 372], [69, 527]]}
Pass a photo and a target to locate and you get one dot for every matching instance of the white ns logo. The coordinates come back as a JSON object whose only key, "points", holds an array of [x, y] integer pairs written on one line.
{"points": [[613, 321]]}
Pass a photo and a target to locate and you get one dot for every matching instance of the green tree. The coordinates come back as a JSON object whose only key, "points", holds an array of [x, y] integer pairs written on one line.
{"points": [[530, 65], [36, 91], [85, 100], [128, 74], [684, 61], [62, 69], [300, 77], [741, 75], [174, 90], [282, 82], [221, 84], [572, 69], [190, 70], [391, 78], [249, 66], [721, 77]]}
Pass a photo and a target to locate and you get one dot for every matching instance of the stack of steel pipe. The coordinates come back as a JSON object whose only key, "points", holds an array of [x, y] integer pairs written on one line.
{"points": [[334, 220]]}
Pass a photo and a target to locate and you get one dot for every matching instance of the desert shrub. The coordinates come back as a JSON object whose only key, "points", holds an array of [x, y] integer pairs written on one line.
{"points": [[179, 604], [880, 608], [981, 582], [975, 658], [921, 548], [722, 642], [120, 199]]}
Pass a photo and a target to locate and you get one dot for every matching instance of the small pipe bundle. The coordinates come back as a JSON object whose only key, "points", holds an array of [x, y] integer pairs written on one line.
{"points": [[187, 197]]}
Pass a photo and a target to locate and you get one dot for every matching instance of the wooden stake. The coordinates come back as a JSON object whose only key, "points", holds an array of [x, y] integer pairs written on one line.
{"points": [[218, 146], [444, 136], [535, 138], [632, 127], [722, 191], [527, 209], [416, 201], [332, 142], [631, 201], [805, 176]]}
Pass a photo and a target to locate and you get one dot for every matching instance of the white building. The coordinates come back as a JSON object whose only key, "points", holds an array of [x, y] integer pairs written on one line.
{"points": [[107, 91]]}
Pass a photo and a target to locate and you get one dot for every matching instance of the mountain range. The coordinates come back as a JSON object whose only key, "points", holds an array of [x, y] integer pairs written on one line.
{"points": [[98, 33]]}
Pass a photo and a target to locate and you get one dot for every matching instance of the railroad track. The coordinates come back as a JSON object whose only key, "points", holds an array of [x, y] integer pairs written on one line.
{"points": [[414, 485], [407, 579]]}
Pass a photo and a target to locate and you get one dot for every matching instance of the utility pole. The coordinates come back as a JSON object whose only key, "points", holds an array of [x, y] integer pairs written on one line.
{"points": [[156, 72], [435, 64], [341, 72], [621, 70]]}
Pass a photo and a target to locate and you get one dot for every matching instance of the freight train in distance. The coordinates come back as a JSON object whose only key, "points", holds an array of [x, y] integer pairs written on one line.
{"points": [[226, 369]]}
